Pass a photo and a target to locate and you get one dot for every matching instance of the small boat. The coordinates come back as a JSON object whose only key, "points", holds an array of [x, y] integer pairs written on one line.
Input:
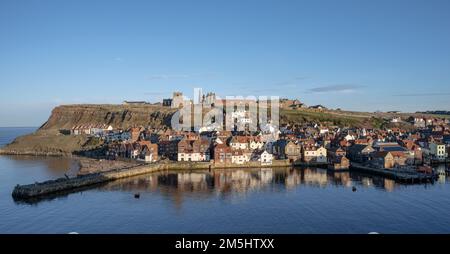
{"points": [[137, 195]]}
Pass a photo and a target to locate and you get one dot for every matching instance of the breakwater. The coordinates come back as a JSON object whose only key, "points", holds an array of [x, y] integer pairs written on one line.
{"points": [[65, 184], [405, 176]]}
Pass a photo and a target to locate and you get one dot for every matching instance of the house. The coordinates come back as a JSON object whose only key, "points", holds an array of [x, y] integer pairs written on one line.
{"points": [[336, 152], [278, 148], [256, 144], [292, 151], [193, 150], [81, 130], [263, 156], [203, 146], [414, 151], [314, 154], [386, 159], [400, 158], [149, 151], [323, 130], [168, 149], [240, 157], [294, 104], [99, 129], [360, 153], [396, 120], [186, 151], [239, 143], [438, 151], [339, 163], [319, 107], [383, 160], [419, 122], [167, 102], [222, 153], [349, 137]]}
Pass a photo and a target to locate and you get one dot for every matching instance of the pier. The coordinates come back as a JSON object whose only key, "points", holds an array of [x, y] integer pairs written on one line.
{"points": [[82, 181], [405, 176]]}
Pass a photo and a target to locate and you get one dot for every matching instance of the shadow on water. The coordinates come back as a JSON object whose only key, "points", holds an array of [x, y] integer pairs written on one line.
{"points": [[206, 183]]}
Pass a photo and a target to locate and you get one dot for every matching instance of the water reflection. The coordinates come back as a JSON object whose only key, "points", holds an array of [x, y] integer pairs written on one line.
{"points": [[216, 183], [55, 166], [224, 182]]}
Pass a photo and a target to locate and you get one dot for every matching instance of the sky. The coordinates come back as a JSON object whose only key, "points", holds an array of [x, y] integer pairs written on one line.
{"points": [[361, 55]]}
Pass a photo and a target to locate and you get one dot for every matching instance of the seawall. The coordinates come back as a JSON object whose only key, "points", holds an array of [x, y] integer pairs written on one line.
{"points": [[65, 184]]}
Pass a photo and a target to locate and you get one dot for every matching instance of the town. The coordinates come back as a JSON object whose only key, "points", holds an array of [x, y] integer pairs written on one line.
{"points": [[425, 142]]}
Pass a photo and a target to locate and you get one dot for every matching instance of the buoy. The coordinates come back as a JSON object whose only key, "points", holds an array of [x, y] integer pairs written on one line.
{"points": [[137, 195], [353, 188]]}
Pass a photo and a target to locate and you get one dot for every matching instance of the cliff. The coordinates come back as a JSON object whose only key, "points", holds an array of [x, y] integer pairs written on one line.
{"points": [[48, 140], [119, 116]]}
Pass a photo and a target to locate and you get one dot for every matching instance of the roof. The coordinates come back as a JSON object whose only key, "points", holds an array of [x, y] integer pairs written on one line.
{"points": [[357, 148], [382, 154], [394, 149]]}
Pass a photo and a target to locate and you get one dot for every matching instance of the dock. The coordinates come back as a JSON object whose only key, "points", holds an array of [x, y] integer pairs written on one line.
{"points": [[405, 176]]}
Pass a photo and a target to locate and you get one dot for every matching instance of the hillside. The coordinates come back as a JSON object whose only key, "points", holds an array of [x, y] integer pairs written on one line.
{"points": [[49, 141]]}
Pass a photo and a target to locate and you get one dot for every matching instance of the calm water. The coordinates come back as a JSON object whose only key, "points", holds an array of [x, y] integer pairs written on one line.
{"points": [[237, 201]]}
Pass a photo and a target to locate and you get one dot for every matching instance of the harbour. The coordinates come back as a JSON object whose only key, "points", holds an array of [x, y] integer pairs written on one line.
{"points": [[173, 201]]}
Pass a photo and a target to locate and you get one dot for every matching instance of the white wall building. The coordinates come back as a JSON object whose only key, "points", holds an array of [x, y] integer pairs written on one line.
{"points": [[438, 151]]}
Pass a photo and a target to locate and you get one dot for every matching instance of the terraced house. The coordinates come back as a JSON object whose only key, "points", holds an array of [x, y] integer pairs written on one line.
{"points": [[194, 150]]}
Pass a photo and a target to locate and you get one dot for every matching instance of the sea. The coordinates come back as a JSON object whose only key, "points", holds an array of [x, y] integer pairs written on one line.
{"points": [[282, 200]]}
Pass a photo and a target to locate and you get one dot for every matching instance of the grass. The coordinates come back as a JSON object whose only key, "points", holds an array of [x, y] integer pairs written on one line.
{"points": [[343, 119]]}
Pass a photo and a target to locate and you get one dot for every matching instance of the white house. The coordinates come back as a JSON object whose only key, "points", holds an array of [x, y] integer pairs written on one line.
{"points": [[313, 154], [189, 156], [239, 157], [437, 150], [256, 145], [266, 158], [396, 120], [323, 130], [349, 137], [419, 122]]}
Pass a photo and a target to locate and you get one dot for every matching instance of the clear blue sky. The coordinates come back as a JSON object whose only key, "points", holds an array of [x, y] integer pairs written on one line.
{"points": [[359, 55]]}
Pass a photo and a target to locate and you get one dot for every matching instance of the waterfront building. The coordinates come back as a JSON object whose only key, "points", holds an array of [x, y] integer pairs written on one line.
{"points": [[314, 154], [339, 163], [222, 153], [360, 153], [292, 151], [438, 151], [240, 156]]}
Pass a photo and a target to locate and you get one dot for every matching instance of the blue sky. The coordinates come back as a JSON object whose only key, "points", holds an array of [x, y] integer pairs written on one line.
{"points": [[357, 55]]}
